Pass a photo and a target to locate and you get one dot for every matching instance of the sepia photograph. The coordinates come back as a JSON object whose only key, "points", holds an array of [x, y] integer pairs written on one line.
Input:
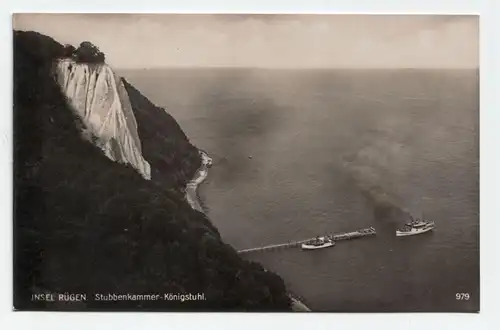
{"points": [[246, 162]]}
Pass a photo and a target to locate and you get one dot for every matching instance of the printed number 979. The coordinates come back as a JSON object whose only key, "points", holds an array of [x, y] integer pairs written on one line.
{"points": [[462, 296]]}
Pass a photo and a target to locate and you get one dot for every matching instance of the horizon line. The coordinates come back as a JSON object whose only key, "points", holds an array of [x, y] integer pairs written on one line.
{"points": [[289, 68]]}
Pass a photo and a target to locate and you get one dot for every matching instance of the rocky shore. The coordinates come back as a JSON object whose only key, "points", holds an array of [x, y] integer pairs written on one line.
{"points": [[199, 177]]}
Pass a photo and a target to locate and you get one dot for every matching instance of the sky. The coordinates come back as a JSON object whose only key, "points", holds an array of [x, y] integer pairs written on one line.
{"points": [[133, 41]]}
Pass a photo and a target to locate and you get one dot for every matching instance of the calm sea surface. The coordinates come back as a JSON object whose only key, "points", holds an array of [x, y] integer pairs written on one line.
{"points": [[303, 153]]}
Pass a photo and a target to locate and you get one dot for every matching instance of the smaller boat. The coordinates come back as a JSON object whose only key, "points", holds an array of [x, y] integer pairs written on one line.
{"points": [[416, 227], [367, 230], [318, 243]]}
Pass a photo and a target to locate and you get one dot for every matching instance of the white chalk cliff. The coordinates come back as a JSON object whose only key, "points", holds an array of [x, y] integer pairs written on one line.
{"points": [[99, 98]]}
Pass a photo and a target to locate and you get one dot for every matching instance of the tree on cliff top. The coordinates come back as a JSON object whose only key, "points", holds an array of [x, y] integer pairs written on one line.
{"points": [[68, 50], [87, 52]]}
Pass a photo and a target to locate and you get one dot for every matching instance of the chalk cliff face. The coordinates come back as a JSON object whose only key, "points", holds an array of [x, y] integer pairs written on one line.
{"points": [[99, 98]]}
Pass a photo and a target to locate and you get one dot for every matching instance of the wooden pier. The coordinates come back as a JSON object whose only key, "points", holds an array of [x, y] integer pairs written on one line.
{"points": [[336, 237]]}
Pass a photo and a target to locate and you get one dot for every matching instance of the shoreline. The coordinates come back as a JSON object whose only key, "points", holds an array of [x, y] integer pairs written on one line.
{"points": [[199, 177], [297, 305], [192, 198]]}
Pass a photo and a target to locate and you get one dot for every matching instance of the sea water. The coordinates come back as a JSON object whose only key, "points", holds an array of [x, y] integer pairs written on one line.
{"points": [[301, 153]]}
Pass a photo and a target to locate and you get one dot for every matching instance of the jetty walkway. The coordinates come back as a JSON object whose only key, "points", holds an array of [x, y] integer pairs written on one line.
{"points": [[336, 237]]}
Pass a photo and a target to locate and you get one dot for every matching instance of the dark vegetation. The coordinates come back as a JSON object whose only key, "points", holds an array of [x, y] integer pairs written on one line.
{"points": [[87, 52], [173, 159], [84, 224]]}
